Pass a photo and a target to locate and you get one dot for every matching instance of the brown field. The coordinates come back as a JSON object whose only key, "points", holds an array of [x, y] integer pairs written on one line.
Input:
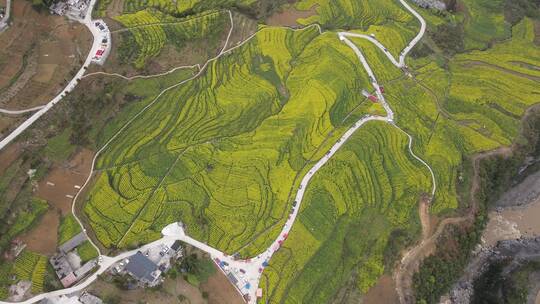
{"points": [[383, 292], [289, 16], [9, 155], [220, 290], [104, 289], [39, 51], [43, 237], [65, 178]]}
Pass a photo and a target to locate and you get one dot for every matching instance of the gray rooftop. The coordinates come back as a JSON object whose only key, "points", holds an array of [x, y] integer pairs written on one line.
{"points": [[73, 243], [141, 267]]}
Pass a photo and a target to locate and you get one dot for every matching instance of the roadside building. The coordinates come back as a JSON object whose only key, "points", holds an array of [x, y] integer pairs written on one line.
{"points": [[72, 243], [67, 273], [143, 269], [86, 268], [63, 269], [177, 248], [87, 298]]}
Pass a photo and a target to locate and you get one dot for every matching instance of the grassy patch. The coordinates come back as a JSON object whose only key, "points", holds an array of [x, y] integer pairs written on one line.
{"points": [[69, 227], [87, 252], [59, 147]]}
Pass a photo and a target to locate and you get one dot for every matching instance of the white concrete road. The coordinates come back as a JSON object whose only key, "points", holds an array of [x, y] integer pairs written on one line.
{"points": [[251, 269], [403, 55], [5, 20], [70, 86]]}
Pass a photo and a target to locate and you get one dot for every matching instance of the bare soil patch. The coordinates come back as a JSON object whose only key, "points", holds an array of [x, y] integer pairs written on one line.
{"points": [[220, 290], [180, 286], [104, 289], [289, 16], [45, 72], [54, 188], [43, 237], [115, 8], [383, 292], [9, 155], [63, 180]]}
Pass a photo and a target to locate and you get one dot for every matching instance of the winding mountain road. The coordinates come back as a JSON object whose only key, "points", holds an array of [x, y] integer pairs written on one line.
{"points": [[251, 269]]}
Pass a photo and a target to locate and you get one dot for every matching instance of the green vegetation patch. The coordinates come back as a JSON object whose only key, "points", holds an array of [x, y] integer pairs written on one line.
{"points": [[87, 252], [367, 192], [224, 160], [69, 227], [336, 14], [59, 147], [149, 31], [24, 220]]}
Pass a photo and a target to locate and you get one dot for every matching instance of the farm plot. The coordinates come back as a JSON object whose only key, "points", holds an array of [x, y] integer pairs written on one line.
{"points": [[224, 153], [484, 22], [149, 31], [25, 219], [349, 228], [30, 266], [69, 227], [87, 252], [183, 7], [354, 14], [352, 213], [465, 110]]}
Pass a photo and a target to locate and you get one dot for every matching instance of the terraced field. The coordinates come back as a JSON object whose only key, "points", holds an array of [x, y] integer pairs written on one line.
{"points": [[30, 266], [223, 152], [183, 7], [367, 192], [149, 31], [344, 231], [335, 14], [225, 159], [480, 106]]}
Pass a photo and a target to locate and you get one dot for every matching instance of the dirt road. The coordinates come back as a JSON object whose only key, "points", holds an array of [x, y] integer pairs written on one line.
{"points": [[413, 258]]}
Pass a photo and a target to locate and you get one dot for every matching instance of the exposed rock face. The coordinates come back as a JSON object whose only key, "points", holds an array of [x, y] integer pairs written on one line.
{"points": [[522, 194], [517, 251], [512, 236]]}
